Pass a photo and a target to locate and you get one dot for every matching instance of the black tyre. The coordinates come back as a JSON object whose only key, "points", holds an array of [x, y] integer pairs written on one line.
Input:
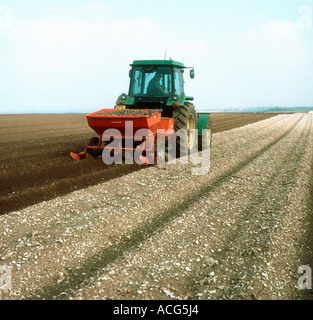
{"points": [[206, 141], [185, 117]]}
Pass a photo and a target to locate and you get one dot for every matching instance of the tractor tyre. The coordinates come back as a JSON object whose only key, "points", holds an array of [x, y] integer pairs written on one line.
{"points": [[206, 141], [185, 117]]}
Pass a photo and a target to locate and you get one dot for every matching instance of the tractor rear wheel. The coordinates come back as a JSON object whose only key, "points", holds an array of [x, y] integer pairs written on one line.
{"points": [[185, 117]]}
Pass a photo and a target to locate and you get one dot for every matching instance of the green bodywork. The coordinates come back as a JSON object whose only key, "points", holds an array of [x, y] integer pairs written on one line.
{"points": [[172, 100], [128, 100], [158, 63], [202, 121]]}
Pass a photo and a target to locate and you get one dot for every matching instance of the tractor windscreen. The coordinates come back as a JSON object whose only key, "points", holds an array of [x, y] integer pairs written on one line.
{"points": [[151, 81]]}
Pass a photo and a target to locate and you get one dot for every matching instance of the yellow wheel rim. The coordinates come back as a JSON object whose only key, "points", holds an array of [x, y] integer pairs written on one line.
{"points": [[191, 126], [208, 135]]}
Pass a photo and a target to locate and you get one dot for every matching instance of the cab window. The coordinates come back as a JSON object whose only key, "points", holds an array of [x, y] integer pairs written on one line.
{"points": [[142, 76], [178, 82]]}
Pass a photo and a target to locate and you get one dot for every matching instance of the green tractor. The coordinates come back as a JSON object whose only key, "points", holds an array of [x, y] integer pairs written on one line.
{"points": [[159, 85]]}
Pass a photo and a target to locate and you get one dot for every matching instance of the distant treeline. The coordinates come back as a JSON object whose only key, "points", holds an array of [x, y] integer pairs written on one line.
{"points": [[272, 109], [278, 109]]}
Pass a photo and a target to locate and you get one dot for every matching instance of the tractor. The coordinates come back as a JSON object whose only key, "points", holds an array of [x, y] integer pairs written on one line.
{"points": [[156, 86]]}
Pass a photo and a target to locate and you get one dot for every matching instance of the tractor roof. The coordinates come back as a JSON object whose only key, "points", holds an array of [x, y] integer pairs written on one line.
{"points": [[158, 63]]}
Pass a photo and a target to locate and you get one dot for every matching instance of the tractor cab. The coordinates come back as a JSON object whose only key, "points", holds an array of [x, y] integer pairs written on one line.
{"points": [[155, 84]]}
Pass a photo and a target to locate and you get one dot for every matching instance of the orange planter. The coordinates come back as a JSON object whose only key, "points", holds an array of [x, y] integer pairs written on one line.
{"points": [[101, 123]]}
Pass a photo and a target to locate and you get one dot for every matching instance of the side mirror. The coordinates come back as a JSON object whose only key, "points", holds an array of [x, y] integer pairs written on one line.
{"points": [[192, 73]]}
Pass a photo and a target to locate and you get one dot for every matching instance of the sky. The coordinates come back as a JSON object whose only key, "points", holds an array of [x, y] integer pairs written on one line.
{"points": [[74, 55]]}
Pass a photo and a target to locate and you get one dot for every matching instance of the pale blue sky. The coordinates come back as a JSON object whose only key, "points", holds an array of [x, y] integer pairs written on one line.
{"points": [[74, 56]]}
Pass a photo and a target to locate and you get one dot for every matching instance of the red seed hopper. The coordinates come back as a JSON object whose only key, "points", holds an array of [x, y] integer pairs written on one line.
{"points": [[125, 126]]}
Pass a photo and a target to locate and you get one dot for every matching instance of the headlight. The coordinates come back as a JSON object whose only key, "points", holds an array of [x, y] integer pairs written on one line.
{"points": [[124, 96], [175, 97]]}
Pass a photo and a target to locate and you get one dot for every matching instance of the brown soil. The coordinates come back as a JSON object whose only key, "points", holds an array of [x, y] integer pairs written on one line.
{"points": [[241, 231], [35, 163], [227, 121]]}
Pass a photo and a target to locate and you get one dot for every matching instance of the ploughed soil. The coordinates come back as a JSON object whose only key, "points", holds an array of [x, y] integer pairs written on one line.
{"points": [[35, 164], [239, 230], [226, 121]]}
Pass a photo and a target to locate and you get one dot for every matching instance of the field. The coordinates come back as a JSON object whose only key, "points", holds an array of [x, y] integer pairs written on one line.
{"points": [[35, 163], [83, 230]]}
